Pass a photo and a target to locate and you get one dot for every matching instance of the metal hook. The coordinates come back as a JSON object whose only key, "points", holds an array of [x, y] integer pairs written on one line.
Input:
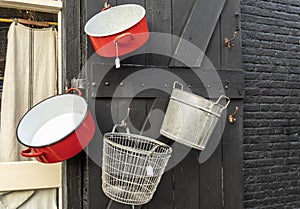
{"points": [[30, 15], [123, 123], [231, 117], [228, 41], [106, 4]]}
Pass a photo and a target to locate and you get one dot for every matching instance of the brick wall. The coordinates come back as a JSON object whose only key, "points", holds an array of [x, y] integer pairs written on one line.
{"points": [[271, 60]]}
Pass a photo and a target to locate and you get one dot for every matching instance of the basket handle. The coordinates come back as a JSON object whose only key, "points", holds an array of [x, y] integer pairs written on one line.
{"points": [[225, 97], [155, 147], [176, 82], [122, 126]]}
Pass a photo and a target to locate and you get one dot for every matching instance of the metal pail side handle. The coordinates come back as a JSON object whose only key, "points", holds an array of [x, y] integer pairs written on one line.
{"points": [[227, 103]]}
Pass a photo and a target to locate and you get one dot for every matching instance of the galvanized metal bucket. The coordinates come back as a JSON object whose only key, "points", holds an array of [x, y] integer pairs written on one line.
{"points": [[190, 119]]}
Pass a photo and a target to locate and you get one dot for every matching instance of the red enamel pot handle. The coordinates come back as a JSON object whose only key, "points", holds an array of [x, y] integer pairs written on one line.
{"points": [[74, 89], [123, 35], [28, 153]]}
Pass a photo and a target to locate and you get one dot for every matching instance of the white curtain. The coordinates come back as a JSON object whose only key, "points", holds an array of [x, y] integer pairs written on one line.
{"points": [[30, 76]]}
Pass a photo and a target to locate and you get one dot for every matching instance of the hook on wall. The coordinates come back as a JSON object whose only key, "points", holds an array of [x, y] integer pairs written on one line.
{"points": [[231, 117], [106, 4], [30, 14], [228, 41]]}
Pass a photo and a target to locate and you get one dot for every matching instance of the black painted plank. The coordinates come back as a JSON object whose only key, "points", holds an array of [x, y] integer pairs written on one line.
{"points": [[94, 194], [155, 113], [72, 183], [71, 34], [232, 137], [232, 81], [96, 197], [231, 57], [213, 56], [180, 13], [198, 29], [159, 18], [233, 159], [186, 182], [163, 196], [137, 113], [71, 64], [210, 194], [94, 7]]}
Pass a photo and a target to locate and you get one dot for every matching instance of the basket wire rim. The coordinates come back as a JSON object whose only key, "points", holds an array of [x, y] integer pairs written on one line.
{"points": [[144, 152]]}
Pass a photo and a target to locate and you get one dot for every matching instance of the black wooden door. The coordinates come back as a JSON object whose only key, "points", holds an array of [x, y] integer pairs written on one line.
{"points": [[190, 183]]}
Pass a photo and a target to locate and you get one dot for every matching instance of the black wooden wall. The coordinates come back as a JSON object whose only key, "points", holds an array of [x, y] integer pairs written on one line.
{"points": [[217, 183]]}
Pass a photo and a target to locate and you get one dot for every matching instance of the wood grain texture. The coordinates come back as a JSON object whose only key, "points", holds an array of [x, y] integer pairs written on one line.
{"points": [[233, 159], [199, 28], [230, 18], [72, 15], [188, 184], [29, 175]]}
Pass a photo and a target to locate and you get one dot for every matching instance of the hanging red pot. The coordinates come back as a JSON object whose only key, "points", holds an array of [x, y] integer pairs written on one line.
{"points": [[57, 128], [118, 30]]}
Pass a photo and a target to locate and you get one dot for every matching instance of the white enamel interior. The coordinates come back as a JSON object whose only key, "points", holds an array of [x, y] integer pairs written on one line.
{"points": [[52, 120], [114, 20]]}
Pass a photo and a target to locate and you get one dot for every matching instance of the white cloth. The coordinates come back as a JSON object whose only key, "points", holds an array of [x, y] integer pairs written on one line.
{"points": [[39, 199], [30, 76]]}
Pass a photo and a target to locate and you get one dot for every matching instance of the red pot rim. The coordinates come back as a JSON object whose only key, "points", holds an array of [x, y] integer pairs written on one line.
{"points": [[91, 29], [59, 139]]}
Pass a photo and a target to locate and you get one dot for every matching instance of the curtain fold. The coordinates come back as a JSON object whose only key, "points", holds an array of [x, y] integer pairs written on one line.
{"points": [[30, 76]]}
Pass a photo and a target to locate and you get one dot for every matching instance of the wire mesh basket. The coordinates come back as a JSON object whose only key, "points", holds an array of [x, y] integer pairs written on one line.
{"points": [[132, 166]]}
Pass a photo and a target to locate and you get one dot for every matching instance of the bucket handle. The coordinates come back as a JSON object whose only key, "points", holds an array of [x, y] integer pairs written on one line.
{"points": [[74, 89], [28, 153], [178, 83], [225, 97]]}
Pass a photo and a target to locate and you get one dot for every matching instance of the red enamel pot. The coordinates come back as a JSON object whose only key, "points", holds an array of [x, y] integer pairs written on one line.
{"points": [[57, 128], [118, 30]]}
